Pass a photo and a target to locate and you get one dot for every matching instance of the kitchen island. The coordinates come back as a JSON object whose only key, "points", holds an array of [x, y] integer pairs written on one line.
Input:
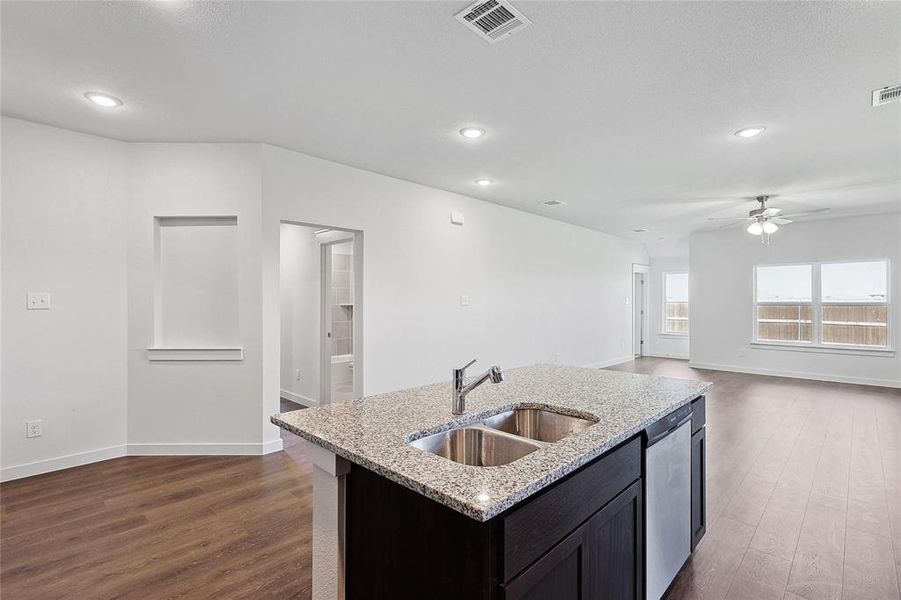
{"points": [[394, 520]]}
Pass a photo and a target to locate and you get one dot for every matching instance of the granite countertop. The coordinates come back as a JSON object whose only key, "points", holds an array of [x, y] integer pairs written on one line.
{"points": [[374, 432]]}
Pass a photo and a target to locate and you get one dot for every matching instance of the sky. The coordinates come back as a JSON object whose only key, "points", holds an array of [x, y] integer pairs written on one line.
{"points": [[840, 282]]}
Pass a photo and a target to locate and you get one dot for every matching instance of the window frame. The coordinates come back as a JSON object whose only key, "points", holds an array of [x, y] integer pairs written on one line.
{"points": [[663, 331], [816, 292]]}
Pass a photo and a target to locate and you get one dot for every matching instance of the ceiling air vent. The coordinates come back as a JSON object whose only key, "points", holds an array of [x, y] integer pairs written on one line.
{"points": [[886, 95], [493, 20], [553, 202]]}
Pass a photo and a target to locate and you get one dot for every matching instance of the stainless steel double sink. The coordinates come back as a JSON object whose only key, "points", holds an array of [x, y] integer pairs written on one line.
{"points": [[503, 438]]}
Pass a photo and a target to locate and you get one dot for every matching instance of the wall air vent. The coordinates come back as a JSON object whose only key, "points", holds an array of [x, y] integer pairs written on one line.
{"points": [[886, 95], [493, 20]]}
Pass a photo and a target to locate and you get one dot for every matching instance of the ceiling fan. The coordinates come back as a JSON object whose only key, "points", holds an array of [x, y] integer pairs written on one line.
{"points": [[766, 220]]}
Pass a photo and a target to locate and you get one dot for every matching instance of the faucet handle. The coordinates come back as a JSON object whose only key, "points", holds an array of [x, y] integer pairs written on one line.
{"points": [[467, 365]]}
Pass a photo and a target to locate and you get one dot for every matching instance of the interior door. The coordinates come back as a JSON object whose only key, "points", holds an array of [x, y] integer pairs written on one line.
{"points": [[325, 325], [638, 305]]}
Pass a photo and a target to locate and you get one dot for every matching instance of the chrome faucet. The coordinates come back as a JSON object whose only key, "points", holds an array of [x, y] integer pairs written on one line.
{"points": [[460, 390]]}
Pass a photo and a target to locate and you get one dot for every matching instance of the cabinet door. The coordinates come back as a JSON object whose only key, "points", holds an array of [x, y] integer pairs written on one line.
{"points": [[616, 548], [698, 487], [561, 574]]}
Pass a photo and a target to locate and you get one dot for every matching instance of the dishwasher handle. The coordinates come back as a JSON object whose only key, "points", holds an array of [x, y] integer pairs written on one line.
{"points": [[663, 427]]}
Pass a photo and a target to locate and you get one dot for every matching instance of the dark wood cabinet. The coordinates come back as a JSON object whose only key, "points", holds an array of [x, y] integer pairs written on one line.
{"points": [[561, 574], [698, 487], [601, 560], [616, 548]]}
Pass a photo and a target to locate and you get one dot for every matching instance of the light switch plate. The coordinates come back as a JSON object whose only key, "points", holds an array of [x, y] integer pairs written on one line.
{"points": [[464, 300], [456, 217], [37, 301]]}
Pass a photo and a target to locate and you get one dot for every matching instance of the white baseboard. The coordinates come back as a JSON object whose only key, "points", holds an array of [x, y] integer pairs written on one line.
{"points": [[665, 355], [298, 398], [609, 363], [271, 446], [61, 462], [204, 449], [92, 456], [798, 375]]}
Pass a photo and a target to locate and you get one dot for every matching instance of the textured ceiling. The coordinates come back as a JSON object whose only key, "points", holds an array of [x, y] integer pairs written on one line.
{"points": [[625, 111]]}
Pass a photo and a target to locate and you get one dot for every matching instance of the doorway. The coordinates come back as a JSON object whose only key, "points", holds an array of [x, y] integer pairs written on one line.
{"points": [[639, 309], [320, 294]]}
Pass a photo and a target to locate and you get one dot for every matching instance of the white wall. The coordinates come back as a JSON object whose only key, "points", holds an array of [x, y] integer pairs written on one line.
{"points": [[79, 224], [63, 232], [722, 303], [299, 286], [659, 343], [193, 408], [539, 289]]}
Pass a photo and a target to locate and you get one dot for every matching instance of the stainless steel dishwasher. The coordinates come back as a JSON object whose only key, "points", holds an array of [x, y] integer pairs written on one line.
{"points": [[667, 500]]}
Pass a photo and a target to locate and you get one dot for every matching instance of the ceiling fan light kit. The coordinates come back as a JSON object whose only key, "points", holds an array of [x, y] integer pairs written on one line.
{"points": [[766, 220]]}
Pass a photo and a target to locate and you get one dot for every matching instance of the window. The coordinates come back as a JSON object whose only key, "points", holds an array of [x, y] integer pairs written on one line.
{"points": [[784, 304], [855, 304], [829, 304], [675, 303]]}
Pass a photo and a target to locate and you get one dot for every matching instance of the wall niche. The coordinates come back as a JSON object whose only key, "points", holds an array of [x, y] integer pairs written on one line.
{"points": [[195, 303]]}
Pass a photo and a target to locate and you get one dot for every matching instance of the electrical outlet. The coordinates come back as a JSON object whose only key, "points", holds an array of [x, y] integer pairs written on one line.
{"points": [[297, 375], [37, 301], [33, 429]]}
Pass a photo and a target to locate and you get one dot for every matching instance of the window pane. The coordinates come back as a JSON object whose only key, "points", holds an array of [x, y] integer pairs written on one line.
{"points": [[854, 282], [854, 308], [790, 283], [676, 287], [675, 305], [784, 322], [784, 304]]}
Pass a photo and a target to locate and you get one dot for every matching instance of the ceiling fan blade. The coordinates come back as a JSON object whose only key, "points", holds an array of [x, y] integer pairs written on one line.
{"points": [[772, 212], [732, 223], [780, 220], [806, 212], [736, 219]]}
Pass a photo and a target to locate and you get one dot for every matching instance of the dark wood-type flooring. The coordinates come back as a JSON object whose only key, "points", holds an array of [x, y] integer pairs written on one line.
{"points": [[804, 497]]}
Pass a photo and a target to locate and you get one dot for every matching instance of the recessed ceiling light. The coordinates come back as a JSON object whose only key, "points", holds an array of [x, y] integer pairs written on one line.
{"points": [[640, 230], [472, 132], [484, 182], [104, 100], [553, 202], [749, 132]]}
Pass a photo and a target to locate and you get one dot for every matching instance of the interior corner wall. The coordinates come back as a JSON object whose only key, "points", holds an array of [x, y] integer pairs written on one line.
{"points": [[194, 407], [721, 295], [63, 232], [539, 290], [78, 223], [661, 344]]}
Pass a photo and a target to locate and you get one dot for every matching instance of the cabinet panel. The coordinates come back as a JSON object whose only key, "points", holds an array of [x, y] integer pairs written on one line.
{"points": [[698, 413], [698, 487], [400, 543], [565, 506], [561, 574], [616, 548]]}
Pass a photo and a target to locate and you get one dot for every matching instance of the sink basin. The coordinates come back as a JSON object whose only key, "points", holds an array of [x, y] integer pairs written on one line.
{"points": [[475, 446], [538, 424]]}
